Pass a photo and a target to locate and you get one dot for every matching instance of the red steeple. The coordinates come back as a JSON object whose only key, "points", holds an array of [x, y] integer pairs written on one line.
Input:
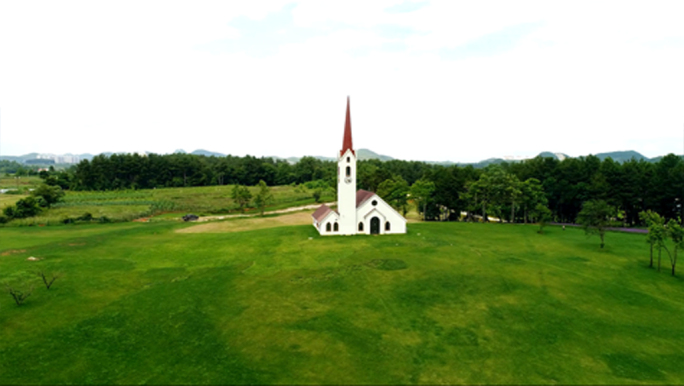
{"points": [[347, 141]]}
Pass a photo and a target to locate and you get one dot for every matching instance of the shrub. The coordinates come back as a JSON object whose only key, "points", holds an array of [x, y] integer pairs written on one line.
{"points": [[18, 295], [85, 217], [50, 194], [26, 207]]}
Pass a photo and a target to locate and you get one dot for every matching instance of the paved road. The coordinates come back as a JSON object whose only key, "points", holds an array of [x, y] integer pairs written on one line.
{"points": [[630, 230]]}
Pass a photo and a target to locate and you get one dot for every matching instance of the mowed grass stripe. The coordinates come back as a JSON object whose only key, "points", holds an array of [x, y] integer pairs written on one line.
{"points": [[469, 303]]}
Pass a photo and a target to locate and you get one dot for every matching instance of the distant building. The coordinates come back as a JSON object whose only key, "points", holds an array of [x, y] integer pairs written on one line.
{"points": [[60, 159], [358, 212]]}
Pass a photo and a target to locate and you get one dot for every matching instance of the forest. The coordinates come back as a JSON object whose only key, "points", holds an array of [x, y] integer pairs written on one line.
{"points": [[508, 191]]}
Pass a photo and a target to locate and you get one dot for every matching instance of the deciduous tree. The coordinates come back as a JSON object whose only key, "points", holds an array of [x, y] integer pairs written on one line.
{"points": [[395, 191], [421, 192], [676, 233], [648, 217], [543, 215], [51, 194], [241, 195], [263, 196], [595, 218]]}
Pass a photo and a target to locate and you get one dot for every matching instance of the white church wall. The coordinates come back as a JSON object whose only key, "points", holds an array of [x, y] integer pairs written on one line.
{"points": [[331, 219], [346, 193], [384, 212]]}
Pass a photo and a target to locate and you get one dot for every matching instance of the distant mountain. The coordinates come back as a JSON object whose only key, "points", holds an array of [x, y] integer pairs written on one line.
{"points": [[622, 156], [364, 154], [19, 158], [658, 158], [617, 156], [558, 156], [361, 154], [207, 153]]}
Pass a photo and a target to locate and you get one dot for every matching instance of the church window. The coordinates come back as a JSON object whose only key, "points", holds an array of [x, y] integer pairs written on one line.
{"points": [[348, 159], [337, 227], [348, 171], [374, 203], [387, 226], [361, 227], [327, 227]]}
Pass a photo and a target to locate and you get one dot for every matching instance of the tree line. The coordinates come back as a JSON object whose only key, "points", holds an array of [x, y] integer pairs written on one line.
{"points": [[508, 191]]}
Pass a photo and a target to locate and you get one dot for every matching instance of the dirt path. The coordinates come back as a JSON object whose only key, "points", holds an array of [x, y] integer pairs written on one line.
{"points": [[279, 211], [249, 224]]}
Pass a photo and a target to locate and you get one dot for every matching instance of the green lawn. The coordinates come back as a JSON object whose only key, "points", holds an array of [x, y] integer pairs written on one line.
{"points": [[446, 303]]}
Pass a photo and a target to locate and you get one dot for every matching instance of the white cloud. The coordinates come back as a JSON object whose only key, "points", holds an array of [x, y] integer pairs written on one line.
{"points": [[126, 76]]}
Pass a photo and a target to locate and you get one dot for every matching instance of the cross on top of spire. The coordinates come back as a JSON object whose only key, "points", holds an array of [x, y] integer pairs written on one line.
{"points": [[347, 141]]}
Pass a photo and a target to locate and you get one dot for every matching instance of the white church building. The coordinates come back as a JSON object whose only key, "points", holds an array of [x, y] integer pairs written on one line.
{"points": [[358, 212]]}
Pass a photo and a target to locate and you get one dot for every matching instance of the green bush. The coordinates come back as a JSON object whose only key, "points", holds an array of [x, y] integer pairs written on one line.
{"points": [[26, 207], [85, 217]]}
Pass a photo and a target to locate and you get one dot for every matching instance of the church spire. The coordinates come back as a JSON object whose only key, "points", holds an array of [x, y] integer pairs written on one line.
{"points": [[347, 141]]}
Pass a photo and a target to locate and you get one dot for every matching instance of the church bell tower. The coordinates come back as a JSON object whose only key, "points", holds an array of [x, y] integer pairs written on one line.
{"points": [[346, 181]]}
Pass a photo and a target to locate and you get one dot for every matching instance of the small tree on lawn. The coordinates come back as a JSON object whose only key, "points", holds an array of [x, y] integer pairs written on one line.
{"points": [[543, 215], [658, 233], [595, 218], [47, 281], [263, 196], [676, 234], [18, 295], [648, 217], [241, 196]]}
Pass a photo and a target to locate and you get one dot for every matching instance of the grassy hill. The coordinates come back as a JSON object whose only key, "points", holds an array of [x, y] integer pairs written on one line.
{"points": [[448, 303]]}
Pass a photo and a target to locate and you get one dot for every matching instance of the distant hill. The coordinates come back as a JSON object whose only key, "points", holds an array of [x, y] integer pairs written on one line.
{"points": [[361, 154], [622, 156], [558, 156], [366, 154], [207, 153], [19, 158], [617, 156]]}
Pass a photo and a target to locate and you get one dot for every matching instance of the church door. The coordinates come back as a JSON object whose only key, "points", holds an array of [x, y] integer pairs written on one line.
{"points": [[375, 226]]}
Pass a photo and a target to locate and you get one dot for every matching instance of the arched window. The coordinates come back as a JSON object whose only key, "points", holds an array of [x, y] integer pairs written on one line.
{"points": [[361, 227], [347, 159], [327, 227], [348, 171], [387, 226], [336, 227]]}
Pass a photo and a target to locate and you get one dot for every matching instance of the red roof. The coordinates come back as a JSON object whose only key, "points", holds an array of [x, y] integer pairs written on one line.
{"points": [[362, 196], [321, 212], [347, 141]]}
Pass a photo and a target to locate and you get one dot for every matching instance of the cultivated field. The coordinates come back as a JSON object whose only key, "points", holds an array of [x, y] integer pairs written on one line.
{"points": [[127, 205], [446, 303]]}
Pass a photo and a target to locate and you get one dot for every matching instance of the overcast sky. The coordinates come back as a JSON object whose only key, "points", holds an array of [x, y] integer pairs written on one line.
{"points": [[428, 80]]}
